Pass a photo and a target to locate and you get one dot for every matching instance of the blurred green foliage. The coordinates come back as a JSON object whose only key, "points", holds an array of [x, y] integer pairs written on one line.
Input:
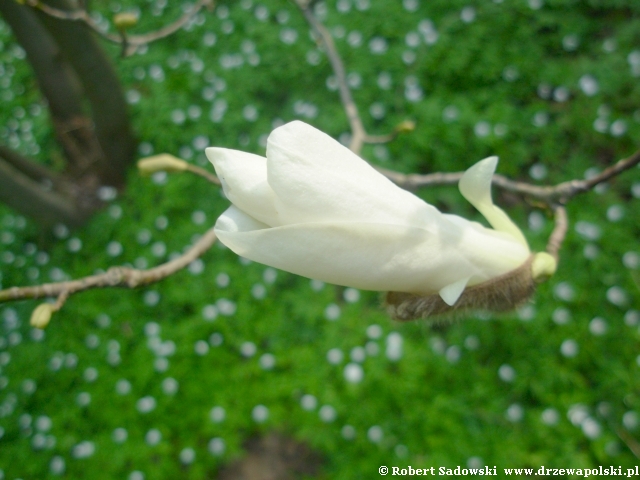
{"points": [[549, 86]]}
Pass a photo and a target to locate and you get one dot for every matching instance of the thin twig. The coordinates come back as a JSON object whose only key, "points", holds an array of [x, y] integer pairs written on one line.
{"points": [[627, 439], [568, 190], [206, 174], [559, 232], [120, 276], [358, 132], [359, 135], [550, 194], [379, 138], [132, 42]]}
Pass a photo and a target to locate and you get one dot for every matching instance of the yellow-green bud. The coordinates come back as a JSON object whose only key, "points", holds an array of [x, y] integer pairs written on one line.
{"points": [[42, 315], [405, 126], [162, 162], [125, 20], [543, 267]]}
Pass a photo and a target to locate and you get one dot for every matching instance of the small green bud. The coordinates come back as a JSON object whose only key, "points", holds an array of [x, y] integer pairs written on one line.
{"points": [[125, 20], [163, 162], [405, 126], [42, 315], [543, 267]]}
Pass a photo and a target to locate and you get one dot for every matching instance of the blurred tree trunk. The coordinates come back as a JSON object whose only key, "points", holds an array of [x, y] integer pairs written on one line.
{"points": [[71, 71]]}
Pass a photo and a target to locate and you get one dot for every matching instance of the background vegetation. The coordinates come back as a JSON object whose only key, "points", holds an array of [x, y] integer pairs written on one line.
{"points": [[170, 381]]}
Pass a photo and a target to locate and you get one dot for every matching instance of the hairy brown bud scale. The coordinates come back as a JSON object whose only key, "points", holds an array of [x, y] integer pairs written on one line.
{"points": [[500, 294]]}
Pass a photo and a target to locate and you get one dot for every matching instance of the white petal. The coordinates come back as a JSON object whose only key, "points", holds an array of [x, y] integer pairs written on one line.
{"points": [[235, 220], [244, 180], [475, 186], [315, 178], [451, 293], [380, 256]]}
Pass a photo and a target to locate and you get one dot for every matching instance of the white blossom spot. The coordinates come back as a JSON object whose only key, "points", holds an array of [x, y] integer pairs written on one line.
{"points": [[260, 413], [468, 14], [216, 446], [308, 402], [146, 404], [514, 413], [375, 434], [617, 295], [217, 414], [507, 373], [335, 356], [187, 456], [327, 413], [589, 85], [153, 437], [453, 354], [630, 420], [353, 373], [332, 312], [569, 348], [598, 326], [550, 416], [248, 349]]}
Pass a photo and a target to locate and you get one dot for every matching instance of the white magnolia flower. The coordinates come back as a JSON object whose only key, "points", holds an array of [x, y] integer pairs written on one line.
{"points": [[314, 208]]}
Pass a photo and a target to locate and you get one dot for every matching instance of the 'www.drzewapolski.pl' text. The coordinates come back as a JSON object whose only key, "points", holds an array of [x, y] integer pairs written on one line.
{"points": [[493, 471]]}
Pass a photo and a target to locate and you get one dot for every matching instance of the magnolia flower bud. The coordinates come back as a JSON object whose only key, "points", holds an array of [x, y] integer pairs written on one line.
{"points": [[125, 20], [41, 315], [314, 208], [163, 162]]}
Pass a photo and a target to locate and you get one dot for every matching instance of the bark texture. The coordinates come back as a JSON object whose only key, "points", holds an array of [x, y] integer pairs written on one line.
{"points": [[71, 71]]}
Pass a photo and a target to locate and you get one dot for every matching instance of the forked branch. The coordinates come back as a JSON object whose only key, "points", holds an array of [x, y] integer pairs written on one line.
{"points": [[130, 43], [126, 277]]}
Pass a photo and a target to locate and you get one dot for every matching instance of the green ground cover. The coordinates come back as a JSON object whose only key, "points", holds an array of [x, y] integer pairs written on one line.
{"points": [[170, 381]]}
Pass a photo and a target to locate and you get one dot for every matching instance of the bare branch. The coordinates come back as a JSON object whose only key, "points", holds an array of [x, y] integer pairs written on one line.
{"points": [[570, 189], [357, 128], [359, 135], [627, 439], [126, 277], [206, 174], [559, 232], [549, 194], [27, 195], [34, 170], [130, 43]]}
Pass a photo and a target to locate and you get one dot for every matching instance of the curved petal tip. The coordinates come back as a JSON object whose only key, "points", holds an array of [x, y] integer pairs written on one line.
{"points": [[475, 184], [451, 293]]}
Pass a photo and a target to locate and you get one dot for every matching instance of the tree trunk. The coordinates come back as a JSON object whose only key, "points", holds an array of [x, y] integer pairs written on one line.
{"points": [[69, 66]]}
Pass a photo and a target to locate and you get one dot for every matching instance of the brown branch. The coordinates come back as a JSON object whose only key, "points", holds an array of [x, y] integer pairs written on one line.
{"points": [[27, 196], [130, 42], [357, 128], [104, 142], [126, 277], [359, 135], [560, 193], [206, 174], [631, 443], [559, 232], [34, 170], [568, 190]]}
